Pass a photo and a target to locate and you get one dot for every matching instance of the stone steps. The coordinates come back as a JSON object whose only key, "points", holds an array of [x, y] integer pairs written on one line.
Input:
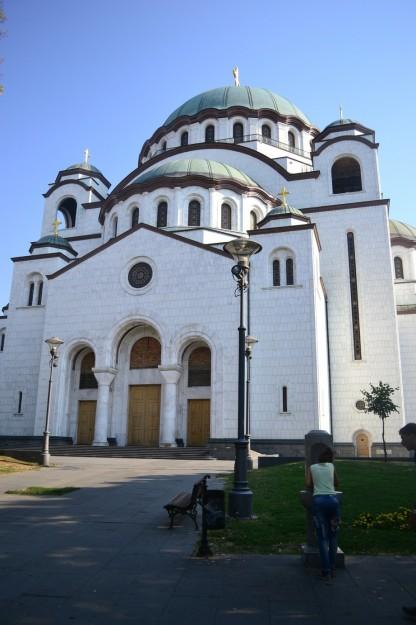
{"points": [[165, 453]]}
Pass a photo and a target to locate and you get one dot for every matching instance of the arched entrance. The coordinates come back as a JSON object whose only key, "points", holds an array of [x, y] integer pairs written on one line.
{"points": [[362, 445], [144, 397], [197, 360]]}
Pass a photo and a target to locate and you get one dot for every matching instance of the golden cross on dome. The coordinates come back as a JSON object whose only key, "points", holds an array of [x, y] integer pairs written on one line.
{"points": [[55, 224], [86, 155], [283, 193], [340, 112], [236, 76]]}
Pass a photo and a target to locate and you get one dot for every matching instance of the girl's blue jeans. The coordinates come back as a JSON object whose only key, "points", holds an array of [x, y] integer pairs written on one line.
{"points": [[325, 512]]}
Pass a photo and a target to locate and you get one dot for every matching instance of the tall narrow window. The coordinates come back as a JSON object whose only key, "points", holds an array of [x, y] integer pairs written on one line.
{"points": [[40, 292], [164, 146], [87, 378], [289, 271], [226, 217], [276, 273], [346, 175], [284, 399], [266, 133], [115, 226], [398, 268], [2, 339], [67, 212], [209, 134], [135, 216], [238, 132], [19, 402], [199, 367], [291, 139], [184, 138], [162, 215], [194, 213], [31, 291], [253, 220], [354, 297]]}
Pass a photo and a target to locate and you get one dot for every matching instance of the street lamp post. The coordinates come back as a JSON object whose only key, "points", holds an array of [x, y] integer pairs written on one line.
{"points": [[240, 500], [250, 342], [53, 344]]}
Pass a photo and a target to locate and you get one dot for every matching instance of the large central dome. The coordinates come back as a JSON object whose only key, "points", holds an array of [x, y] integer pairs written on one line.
{"points": [[253, 98]]}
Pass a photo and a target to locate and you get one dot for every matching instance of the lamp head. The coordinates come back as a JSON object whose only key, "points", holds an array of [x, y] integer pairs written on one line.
{"points": [[241, 250]]}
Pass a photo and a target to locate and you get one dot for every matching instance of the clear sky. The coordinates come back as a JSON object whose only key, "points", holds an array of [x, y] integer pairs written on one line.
{"points": [[104, 75]]}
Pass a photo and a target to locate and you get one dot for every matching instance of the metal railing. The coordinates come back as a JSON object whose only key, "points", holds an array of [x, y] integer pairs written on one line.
{"points": [[243, 139]]}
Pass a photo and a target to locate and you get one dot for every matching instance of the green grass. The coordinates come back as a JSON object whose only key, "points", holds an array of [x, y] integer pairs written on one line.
{"points": [[280, 525], [42, 490], [12, 465]]}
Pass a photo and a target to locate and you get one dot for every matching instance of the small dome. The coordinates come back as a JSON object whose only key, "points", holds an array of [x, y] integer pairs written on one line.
{"points": [[84, 166], [50, 240], [285, 210], [341, 122], [197, 167], [253, 98], [400, 229]]}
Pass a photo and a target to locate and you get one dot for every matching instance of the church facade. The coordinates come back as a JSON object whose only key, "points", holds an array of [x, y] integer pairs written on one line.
{"points": [[138, 287]]}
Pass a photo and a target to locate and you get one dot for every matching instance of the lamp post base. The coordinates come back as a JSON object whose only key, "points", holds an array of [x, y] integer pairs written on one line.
{"points": [[240, 499], [45, 449], [45, 458]]}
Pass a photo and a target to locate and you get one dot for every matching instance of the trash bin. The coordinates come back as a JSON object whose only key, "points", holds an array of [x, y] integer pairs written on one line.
{"points": [[215, 509]]}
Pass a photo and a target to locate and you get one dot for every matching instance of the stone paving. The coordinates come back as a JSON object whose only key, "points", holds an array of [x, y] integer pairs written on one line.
{"points": [[104, 555]]}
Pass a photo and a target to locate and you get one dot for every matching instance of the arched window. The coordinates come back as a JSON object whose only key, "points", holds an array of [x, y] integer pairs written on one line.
{"points": [[226, 216], [346, 175], [289, 271], [398, 268], [135, 216], [276, 273], [209, 134], [284, 399], [31, 292], [87, 378], [199, 367], [253, 220], [194, 213], [184, 138], [266, 133], [145, 354], [238, 132], [291, 139], [162, 215], [67, 210], [40, 293], [2, 339], [164, 146], [115, 226]]}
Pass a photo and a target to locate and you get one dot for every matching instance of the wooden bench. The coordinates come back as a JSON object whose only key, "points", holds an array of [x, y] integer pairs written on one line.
{"points": [[186, 503]]}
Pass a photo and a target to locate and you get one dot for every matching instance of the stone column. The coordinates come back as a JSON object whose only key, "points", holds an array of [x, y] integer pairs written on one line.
{"points": [[170, 375], [104, 377]]}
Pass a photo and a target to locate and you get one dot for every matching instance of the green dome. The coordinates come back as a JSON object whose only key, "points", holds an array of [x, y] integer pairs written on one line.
{"points": [[342, 122], [285, 210], [54, 241], [196, 167], [400, 229], [249, 97], [85, 166]]}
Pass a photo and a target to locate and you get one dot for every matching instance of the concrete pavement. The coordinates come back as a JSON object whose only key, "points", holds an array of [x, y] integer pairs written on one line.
{"points": [[104, 555]]}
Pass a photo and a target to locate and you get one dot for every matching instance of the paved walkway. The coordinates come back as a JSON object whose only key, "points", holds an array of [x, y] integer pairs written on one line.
{"points": [[103, 555]]}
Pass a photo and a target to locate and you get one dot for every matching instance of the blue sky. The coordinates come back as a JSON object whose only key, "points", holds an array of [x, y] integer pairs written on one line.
{"points": [[105, 75]]}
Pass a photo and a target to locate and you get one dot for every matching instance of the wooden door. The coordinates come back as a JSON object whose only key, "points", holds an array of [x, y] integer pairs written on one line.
{"points": [[199, 422], [86, 422], [144, 415], [363, 446]]}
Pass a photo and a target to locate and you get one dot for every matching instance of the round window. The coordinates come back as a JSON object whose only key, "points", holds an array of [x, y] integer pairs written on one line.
{"points": [[140, 275], [360, 404]]}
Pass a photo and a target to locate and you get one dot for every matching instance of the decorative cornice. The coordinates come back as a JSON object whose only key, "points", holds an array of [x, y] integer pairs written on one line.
{"points": [[83, 237], [409, 310], [232, 111], [139, 226], [88, 173], [34, 245], [78, 182], [255, 233], [403, 241], [89, 205], [16, 259], [282, 216], [334, 207], [341, 128], [330, 142]]}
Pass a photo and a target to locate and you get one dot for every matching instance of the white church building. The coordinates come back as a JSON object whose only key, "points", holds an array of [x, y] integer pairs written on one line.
{"points": [[137, 285]]}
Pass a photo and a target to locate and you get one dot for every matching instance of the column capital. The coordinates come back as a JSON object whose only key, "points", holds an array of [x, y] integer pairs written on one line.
{"points": [[104, 375], [171, 373]]}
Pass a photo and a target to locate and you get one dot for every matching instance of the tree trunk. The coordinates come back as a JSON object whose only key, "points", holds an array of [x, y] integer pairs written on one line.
{"points": [[384, 443]]}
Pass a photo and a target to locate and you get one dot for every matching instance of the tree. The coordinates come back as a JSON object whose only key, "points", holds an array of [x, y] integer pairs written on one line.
{"points": [[378, 401]]}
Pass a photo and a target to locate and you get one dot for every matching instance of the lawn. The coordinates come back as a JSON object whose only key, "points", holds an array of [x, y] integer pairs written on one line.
{"points": [[12, 465], [372, 487]]}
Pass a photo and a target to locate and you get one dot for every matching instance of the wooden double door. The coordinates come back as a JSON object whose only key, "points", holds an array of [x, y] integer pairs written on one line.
{"points": [[86, 422], [144, 415], [199, 422]]}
